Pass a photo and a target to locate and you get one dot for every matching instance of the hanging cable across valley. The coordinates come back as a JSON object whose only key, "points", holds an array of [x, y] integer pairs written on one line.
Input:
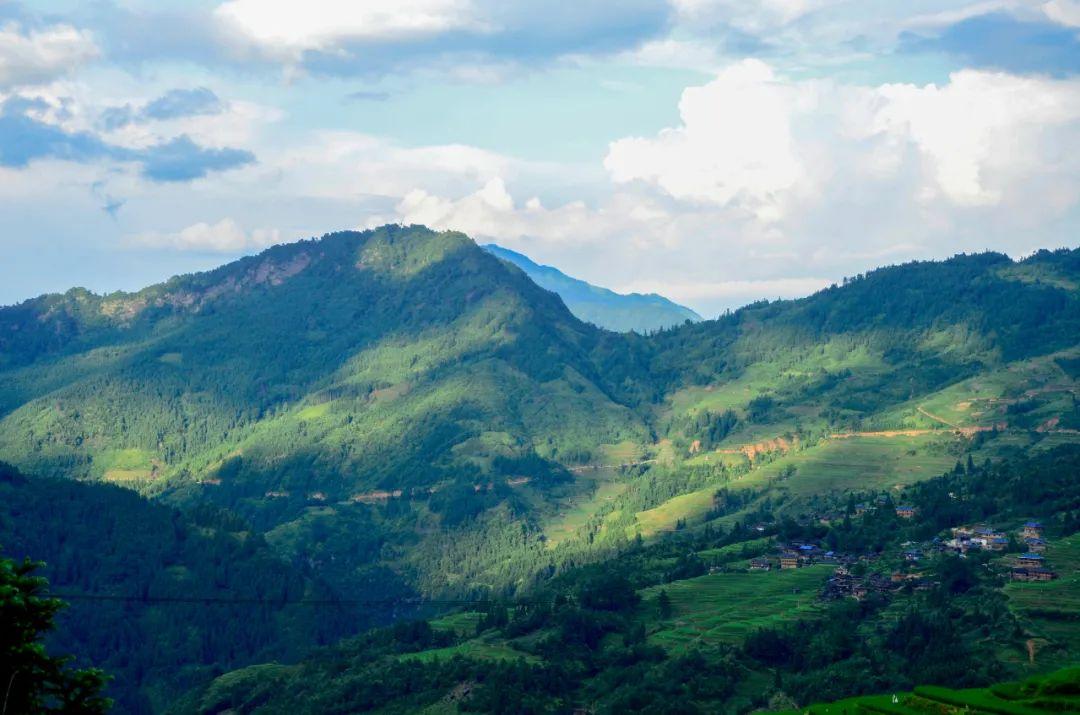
{"points": [[221, 600]]}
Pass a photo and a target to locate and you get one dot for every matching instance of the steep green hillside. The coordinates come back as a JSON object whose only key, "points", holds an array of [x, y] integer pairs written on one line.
{"points": [[600, 306], [404, 340], [400, 411]]}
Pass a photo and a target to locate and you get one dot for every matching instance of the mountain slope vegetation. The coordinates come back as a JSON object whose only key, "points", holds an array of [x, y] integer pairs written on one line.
{"points": [[173, 597], [398, 413]]}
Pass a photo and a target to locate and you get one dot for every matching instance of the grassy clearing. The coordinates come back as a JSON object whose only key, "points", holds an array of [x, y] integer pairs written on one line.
{"points": [[125, 465], [576, 511], [726, 607], [666, 516], [622, 453], [477, 649], [462, 623], [313, 412]]}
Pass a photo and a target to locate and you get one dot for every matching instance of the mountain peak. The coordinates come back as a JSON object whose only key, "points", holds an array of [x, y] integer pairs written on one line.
{"points": [[621, 312]]}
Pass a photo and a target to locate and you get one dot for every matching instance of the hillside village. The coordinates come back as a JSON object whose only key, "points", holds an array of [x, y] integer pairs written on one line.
{"points": [[1018, 553]]}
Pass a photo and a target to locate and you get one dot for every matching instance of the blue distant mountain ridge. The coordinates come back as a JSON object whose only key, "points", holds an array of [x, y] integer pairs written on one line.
{"points": [[602, 307]]}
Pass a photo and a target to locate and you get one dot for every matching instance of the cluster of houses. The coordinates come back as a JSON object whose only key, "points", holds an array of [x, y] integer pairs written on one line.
{"points": [[1031, 565], [1028, 566], [844, 584], [797, 555], [971, 538]]}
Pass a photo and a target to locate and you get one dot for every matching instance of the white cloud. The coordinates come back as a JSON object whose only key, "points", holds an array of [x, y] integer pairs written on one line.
{"points": [[697, 54], [490, 212], [735, 144], [951, 13], [1064, 12], [764, 143], [317, 24], [982, 134], [41, 55], [225, 236], [751, 17]]}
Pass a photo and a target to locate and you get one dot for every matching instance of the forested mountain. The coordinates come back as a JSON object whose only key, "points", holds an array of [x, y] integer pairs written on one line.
{"points": [[602, 307], [193, 592], [399, 414]]}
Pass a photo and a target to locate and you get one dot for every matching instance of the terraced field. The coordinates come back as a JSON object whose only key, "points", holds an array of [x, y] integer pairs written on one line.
{"points": [[1050, 609], [725, 607], [1055, 693], [834, 465]]}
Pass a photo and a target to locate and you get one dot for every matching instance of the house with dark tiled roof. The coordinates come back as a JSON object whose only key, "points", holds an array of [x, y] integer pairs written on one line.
{"points": [[1032, 573], [1030, 559]]}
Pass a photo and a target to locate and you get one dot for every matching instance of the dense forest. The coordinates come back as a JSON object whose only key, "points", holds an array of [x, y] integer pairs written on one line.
{"points": [[390, 420]]}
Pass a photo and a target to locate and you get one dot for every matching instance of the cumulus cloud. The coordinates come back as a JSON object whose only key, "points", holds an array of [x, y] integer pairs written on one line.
{"points": [[983, 135], [38, 56], [757, 141], [225, 236], [735, 143], [491, 212]]}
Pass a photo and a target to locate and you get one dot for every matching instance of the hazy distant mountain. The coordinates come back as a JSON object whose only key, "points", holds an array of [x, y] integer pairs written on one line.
{"points": [[600, 306]]}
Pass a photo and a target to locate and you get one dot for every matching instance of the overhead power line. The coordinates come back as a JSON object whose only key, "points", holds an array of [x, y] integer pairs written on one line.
{"points": [[228, 601]]}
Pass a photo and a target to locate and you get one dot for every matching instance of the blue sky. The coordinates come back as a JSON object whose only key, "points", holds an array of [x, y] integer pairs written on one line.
{"points": [[716, 151]]}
